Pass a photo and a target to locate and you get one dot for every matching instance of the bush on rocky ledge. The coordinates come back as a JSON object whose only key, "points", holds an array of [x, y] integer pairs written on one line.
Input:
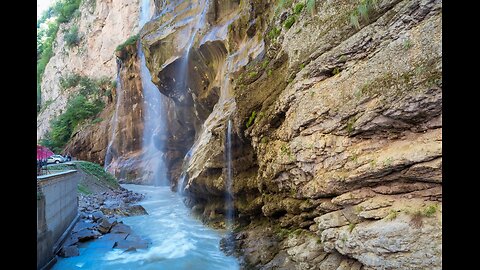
{"points": [[130, 41]]}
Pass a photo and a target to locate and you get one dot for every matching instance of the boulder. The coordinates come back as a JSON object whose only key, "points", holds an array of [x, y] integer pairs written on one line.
{"points": [[106, 224], [69, 251], [97, 215], [86, 234], [132, 242], [121, 228]]}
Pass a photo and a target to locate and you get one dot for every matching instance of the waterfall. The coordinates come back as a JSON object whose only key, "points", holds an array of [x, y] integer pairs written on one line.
{"points": [[182, 76], [183, 175], [229, 204], [114, 122], [154, 129]]}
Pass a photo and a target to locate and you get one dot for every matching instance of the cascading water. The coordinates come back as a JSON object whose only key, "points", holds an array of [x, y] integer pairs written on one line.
{"points": [[229, 211], [177, 240], [182, 83], [183, 175], [114, 123], [154, 118]]}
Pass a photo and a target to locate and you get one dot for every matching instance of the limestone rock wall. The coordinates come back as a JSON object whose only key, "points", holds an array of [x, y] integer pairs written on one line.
{"points": [[337, 142], [102, 26]]}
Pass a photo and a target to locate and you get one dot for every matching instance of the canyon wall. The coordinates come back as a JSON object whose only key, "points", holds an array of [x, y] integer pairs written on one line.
{"points": [[337, 121], [102, 26], [337, 116]]}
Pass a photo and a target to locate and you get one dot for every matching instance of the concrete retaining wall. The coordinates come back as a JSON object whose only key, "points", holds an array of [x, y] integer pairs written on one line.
{"points": [[57, 209]]}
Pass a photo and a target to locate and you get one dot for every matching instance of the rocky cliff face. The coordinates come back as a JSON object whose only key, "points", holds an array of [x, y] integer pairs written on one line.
{"points": [[118, 136], [337, 123], [337, 144], [102, 26]]}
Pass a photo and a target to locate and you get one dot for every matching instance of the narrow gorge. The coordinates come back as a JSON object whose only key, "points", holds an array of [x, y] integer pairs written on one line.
{"points": [[308, 133]]}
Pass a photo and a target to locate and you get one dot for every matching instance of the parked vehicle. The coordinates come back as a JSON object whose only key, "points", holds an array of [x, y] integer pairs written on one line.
{"points": [[55, 159]]}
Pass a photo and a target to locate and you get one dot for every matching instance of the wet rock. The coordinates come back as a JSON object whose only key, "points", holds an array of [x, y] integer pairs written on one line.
{"points": [[131, 242], [112, 238], [136, 210], [121, 228], [86, 234], [227, 244], [69, 251], [70, 241], [82, 224], [130, 249], [105, 225], [97, 215]]}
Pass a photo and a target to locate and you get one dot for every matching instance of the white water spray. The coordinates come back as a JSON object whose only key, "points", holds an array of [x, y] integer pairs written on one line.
{"points": [[154, 130], [114, 124]]}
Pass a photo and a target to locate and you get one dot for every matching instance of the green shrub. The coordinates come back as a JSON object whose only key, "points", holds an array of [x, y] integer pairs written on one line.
{"points": [[350, 125], [274, 33], [79, 108], [430, 210], [265, 63], [65, 9], [407, 44], [298, 8], [69, 81], [289, 22], [251, 119], [391, 215], [39, 98], [71, 38], [285, 149], [131, 40], [46, 104]]}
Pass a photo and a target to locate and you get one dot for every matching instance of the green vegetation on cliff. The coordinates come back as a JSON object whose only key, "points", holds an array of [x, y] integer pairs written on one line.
{"points": [[71, 38], [86, 104], [78, 109], [130, 41], [88, 86], [62, 11]]}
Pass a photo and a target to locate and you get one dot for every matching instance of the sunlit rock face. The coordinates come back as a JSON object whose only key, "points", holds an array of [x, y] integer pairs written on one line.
{"points": [[102, 26]]}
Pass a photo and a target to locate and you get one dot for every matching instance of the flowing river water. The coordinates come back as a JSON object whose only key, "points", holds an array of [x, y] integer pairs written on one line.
{"points": [[178, 239]]}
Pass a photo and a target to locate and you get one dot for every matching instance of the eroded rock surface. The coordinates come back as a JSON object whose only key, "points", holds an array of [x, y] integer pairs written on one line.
{"points": [[337, 128]]}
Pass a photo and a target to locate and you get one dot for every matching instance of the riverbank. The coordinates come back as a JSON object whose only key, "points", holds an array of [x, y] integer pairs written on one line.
{"points": [[99, 217], [175, 238]]}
